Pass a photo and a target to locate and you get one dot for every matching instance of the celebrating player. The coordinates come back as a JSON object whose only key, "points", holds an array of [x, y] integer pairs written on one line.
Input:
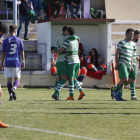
{"points": [[3, 30], [11, 49], [71, 46], [61, 64], [124, 61]]}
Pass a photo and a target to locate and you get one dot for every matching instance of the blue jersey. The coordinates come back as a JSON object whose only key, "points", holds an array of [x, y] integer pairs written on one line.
{"points": [[12, 46]]}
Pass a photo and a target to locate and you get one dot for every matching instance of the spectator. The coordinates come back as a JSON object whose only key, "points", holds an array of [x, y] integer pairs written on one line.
{"points": [[74, 4], [53, 63], [46, 7], [24, 9], [94, 61], [82, 71], [55, 5]]}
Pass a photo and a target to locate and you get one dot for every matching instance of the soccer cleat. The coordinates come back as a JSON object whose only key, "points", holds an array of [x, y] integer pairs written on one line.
{"points": [[82, 94], [112, 96], [11, 98], [115, 94], [121, 99], [2, 125], [56, 97], [13, 93], [135, 99], [70, 98]]}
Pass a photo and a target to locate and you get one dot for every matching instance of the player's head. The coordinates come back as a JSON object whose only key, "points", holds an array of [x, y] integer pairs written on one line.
{"points": [[129, 34], [71, 31], [52, 48], [3, 28], [136, 37], [12, 28], [64, 30]]}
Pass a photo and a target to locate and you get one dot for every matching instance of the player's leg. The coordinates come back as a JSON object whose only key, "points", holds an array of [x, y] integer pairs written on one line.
{"points": [[132, 82], [1, 123], [61, 70], [16, 73], [123, 75], [8, 75]]}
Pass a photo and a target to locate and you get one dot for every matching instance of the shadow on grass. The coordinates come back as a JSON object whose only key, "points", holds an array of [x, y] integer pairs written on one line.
{"points": [[93, 113], [94, 108]]}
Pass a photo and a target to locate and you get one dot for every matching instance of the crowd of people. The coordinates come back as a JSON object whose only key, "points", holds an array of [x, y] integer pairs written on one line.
{"points": [[52, 9]]}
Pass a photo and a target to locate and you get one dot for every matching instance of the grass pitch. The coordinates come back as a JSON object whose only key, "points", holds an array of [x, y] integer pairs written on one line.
{"points": [[36, 116]]}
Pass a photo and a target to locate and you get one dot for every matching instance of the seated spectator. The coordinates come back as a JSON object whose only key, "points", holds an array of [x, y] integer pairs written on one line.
{"points": [[74, 4], [46, 8], [24, 10], [82, 71], [55, 5], [53, 64], [94, 61]]}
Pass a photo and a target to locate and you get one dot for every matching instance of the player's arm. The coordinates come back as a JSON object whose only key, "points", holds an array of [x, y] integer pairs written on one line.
{"points": [[58, 51], [53, 62], [132, 63], [23, 60], [2, 60], [117, 59], [1, 38]]}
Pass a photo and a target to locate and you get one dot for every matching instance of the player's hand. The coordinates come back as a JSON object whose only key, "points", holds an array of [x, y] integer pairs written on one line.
{"points": [[116, 67], [23, 66], [0, 42], [132, 69], [2, 67]]}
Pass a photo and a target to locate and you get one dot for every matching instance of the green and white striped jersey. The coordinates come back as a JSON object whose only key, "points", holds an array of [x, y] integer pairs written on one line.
{"points": [[72, 46], [62, 56], [127, 49], [134, 55]]}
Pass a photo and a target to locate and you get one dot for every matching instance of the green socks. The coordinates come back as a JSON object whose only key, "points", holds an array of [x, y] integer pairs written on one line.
{"points": [[59, 86], [71, 88], [118, 88], [132, 89], [77, 84]]}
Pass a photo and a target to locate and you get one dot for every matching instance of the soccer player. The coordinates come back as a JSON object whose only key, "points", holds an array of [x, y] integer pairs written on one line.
{"points": [[133, 74], [71, 46], [11, 49], [61, 64], [3, 30], [124, 61]]}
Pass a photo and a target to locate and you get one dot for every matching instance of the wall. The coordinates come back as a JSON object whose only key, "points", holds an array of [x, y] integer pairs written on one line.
{"points": [[122, 9], [88, 34]]}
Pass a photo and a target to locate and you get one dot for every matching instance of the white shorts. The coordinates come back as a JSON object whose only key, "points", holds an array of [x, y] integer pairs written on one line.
{"points": [[12, 72]]}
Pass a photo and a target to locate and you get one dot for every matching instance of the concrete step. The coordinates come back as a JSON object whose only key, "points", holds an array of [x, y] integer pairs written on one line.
{"points": [[32, 61], [28, 46], [32, 27]]}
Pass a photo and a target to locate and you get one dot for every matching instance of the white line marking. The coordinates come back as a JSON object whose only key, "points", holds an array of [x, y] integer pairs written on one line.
{"points": [[53, 132]]}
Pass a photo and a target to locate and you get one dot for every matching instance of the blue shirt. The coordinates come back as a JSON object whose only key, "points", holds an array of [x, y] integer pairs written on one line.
{"points": [[12, 46]]}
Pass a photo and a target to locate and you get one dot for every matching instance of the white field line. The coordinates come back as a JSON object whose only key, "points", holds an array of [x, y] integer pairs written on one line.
{"points": [[53, 132]]}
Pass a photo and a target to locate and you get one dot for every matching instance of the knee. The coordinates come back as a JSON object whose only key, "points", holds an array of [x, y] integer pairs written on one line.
{"points": [[84, 71], [53, 70]]}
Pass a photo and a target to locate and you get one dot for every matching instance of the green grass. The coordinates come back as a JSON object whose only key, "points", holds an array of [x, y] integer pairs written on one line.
{"points": [[96, 116]]}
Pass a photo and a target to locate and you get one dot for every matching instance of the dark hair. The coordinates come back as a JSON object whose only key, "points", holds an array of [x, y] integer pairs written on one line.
{"points": [[52, 48], [136, 32], [95, 56], [3, 27], [12, 28], [71, 31], [129, 30], [65, 28]]}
